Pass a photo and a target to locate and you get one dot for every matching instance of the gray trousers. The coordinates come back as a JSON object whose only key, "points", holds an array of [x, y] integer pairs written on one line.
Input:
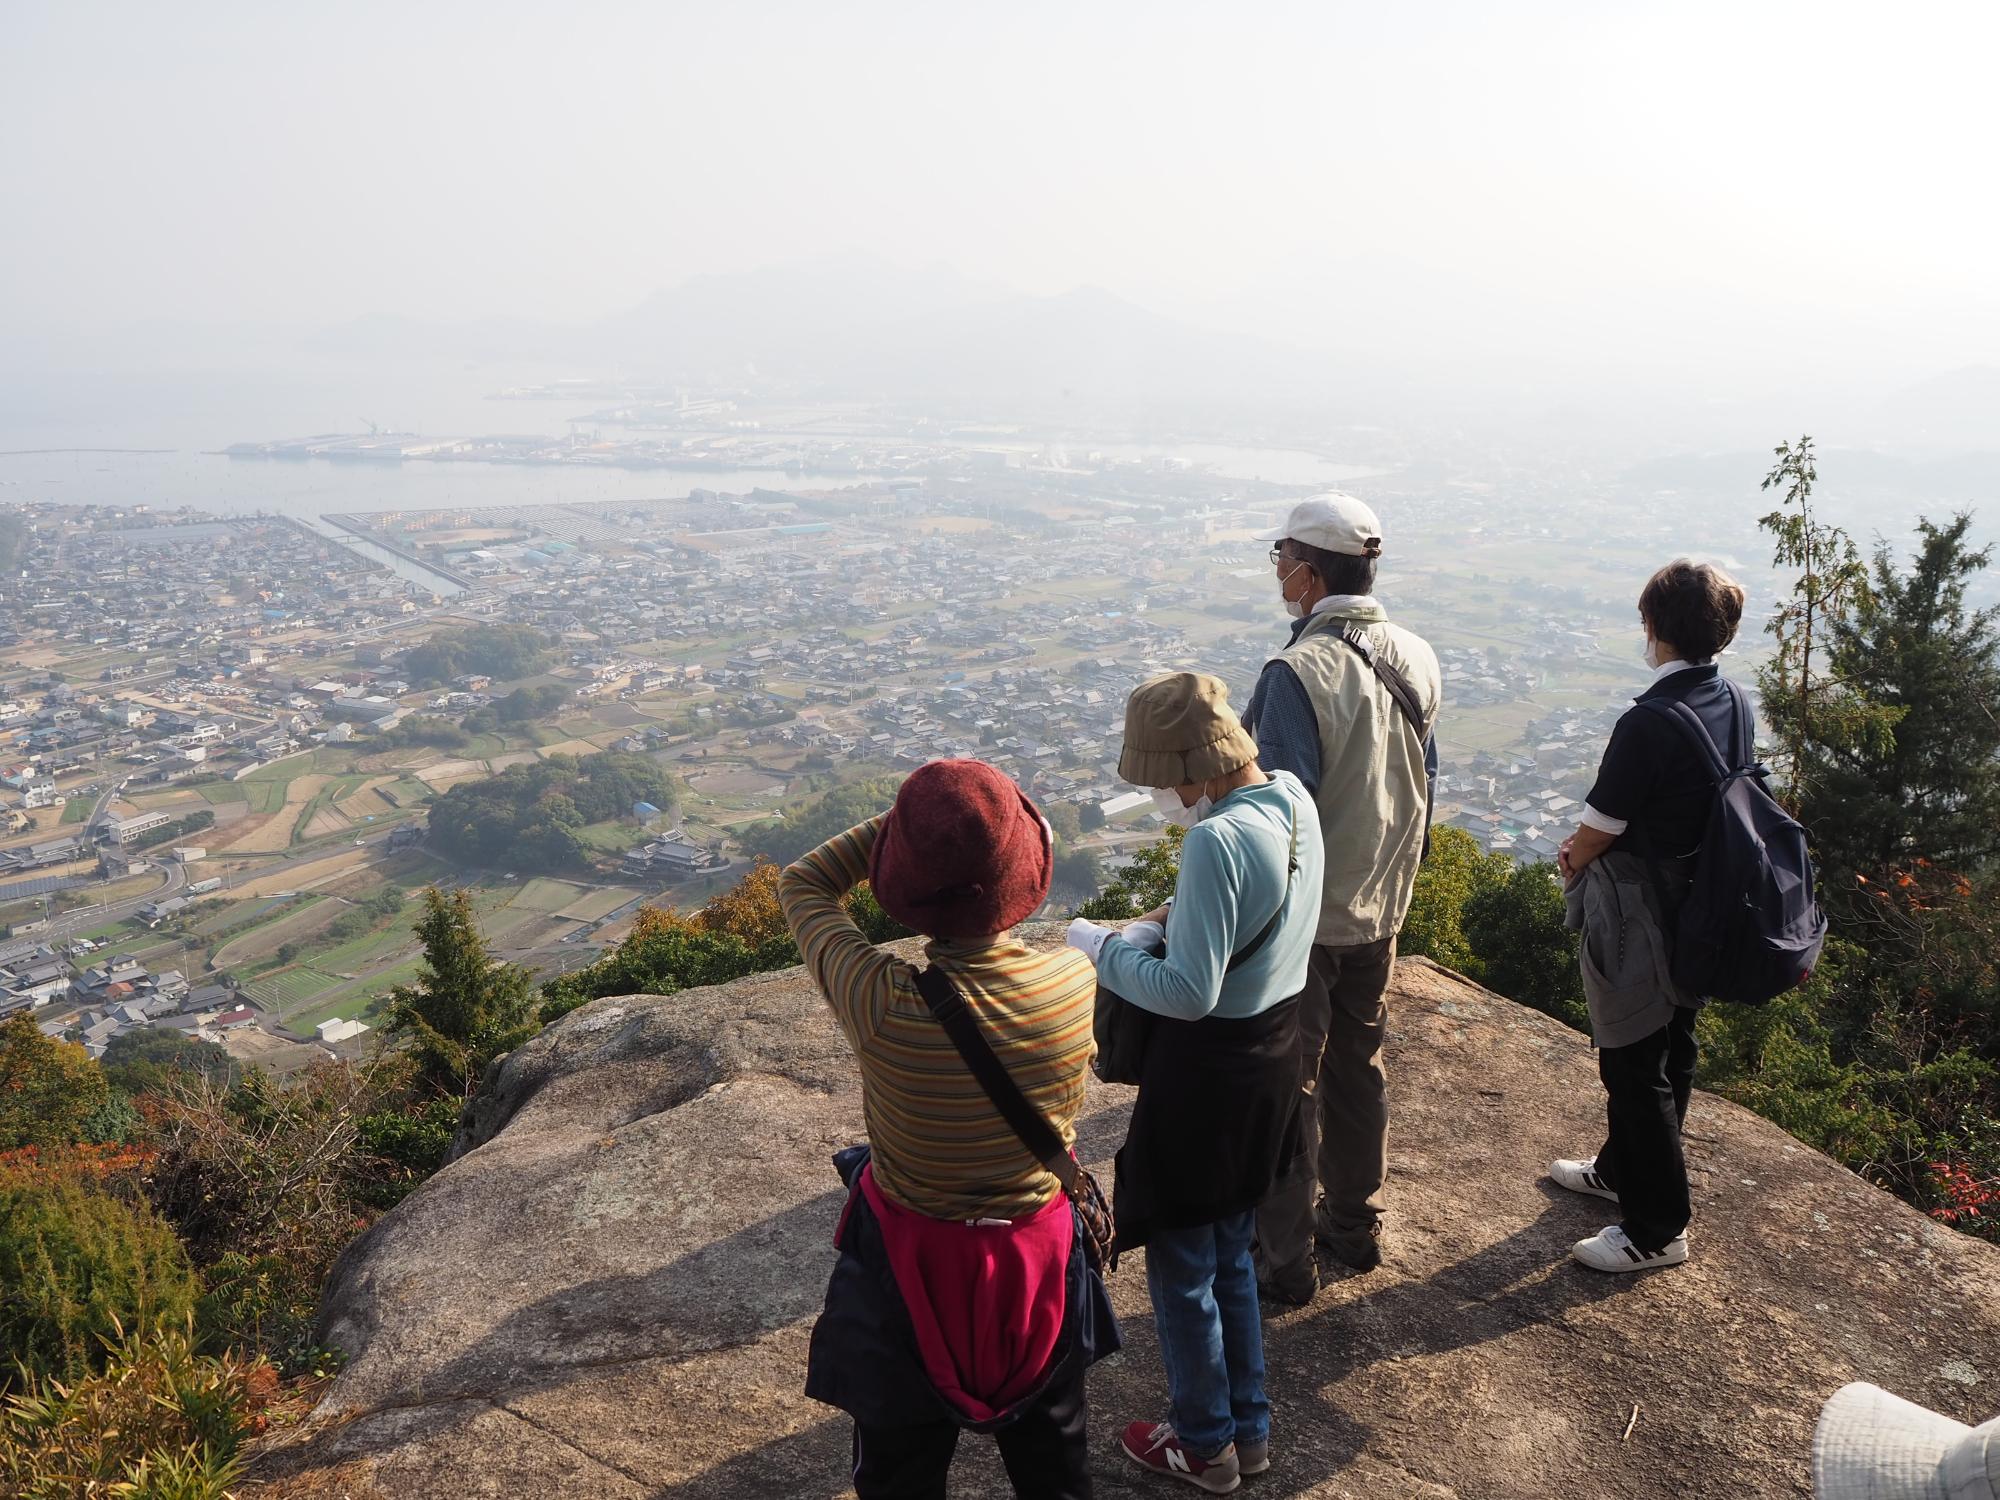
{"points": [[1343, 1021]]}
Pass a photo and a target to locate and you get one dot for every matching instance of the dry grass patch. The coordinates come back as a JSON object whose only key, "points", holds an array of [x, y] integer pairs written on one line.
{"points": [[450, 772], [273, 834], [596, 903], [367, 801], [322, 872]]}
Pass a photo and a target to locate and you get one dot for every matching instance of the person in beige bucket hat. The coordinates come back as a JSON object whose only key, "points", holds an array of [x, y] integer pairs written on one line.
{"points": [[1215, 1128], [1180, 731], [1872, 1445]]}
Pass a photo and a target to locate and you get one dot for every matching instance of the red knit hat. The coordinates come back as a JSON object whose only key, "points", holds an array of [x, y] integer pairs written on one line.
{"points": [[963, 853]]}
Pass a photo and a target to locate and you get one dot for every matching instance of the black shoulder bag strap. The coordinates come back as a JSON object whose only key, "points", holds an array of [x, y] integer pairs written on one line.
{"points": [[1413, 711], [1390, 678], [1036, 1133], [1249, 950]]}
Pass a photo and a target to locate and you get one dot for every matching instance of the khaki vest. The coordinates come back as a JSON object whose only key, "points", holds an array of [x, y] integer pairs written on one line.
{"points": [[1372, 790]]}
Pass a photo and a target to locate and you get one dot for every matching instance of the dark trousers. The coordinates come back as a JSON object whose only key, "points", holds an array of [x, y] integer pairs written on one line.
{"points": [[1044, 1451], [1646, 1086], [1343, 1023]]}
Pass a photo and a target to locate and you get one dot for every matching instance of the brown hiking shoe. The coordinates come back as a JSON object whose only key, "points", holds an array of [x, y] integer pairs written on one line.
{"points": [[1357, 1249]]}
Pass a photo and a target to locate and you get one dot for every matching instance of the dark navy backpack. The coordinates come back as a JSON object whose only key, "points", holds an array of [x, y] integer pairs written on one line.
{"points": [[1749, 929]]}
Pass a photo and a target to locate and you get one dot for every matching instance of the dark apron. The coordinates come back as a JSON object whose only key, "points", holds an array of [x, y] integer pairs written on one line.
{"points": [[1216, 1126]]}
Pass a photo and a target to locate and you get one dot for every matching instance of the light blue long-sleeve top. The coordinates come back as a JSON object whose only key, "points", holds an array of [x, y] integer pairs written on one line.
{"points": [[1233, 874]]}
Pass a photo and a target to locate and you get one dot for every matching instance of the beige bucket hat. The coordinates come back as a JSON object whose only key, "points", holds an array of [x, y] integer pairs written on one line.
{"points": [[1180, 729]]}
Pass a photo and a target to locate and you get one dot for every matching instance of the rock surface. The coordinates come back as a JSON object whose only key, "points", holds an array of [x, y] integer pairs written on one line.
{"points": [[609, 1293]]}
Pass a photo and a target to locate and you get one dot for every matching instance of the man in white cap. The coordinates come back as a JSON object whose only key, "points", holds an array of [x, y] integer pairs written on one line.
{"points": [[1871, 1445], [1348, 707]]}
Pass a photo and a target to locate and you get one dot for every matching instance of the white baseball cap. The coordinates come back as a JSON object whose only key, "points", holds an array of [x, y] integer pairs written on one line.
{"points": [[1332, 523], [1870, 1445]]}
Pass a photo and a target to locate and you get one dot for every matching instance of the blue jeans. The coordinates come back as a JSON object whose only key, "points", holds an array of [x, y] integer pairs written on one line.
{"points": [[1205, 1308]]}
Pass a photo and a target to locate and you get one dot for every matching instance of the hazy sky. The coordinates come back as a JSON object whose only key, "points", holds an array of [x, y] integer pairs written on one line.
{"points": [[1732, 187]]}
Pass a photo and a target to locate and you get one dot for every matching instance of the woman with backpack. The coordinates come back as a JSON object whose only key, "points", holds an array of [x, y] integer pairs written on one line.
{"points": [[1216, 1124], [1628, 870]]}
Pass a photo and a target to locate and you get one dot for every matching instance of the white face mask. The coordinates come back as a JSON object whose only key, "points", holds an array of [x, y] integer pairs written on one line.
{"points": [[1296, 608], [1168, 801], [1650, 654]]}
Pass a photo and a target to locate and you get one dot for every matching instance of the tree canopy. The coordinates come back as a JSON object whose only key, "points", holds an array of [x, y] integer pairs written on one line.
{"points": [[466, 1007], [502, 652], [527, 817], [809, 826], [146, 1059], [50, 1090], [1930, 787]]}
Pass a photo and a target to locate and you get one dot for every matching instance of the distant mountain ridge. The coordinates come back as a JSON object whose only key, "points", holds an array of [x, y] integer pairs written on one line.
{"points": [[860, 325]]}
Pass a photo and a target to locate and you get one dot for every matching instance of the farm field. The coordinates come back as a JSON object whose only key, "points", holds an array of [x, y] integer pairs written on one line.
{"points": [[735, 781], [596, 903], [243, 913], [273, 834], [546, 895], [348, 1002], [296, 926], [506, 924], [613, 836], [445, 774], [283, 993], [357, 955], [322, 872], [618, 715]]}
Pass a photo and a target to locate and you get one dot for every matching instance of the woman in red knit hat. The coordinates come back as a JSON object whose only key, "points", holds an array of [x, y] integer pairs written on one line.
{"points": [[962, 1297]]}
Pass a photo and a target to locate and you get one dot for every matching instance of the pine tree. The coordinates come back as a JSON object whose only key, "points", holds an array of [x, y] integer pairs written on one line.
{"points": [[466, 1007], [1810, 713], [1910, 645]]}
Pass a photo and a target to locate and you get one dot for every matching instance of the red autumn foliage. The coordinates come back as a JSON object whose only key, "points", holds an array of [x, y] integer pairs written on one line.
{"points": [[1968, 1199]]}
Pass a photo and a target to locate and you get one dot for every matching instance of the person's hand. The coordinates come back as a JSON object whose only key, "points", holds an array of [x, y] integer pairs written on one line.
{"points": [[1087, 937], [1563, 865], [1157, 915]]}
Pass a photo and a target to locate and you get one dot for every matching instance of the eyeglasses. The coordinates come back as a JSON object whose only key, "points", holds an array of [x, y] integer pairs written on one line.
{"points": [[1277, 554]]}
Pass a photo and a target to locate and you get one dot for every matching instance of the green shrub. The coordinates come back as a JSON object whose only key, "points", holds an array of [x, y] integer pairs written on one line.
{"points": [[267, 1186], [158, 1423], [1454, 872], [408, 1145], [1142, 885], [77, 1265], [50, 1091], [267, 1302], [665, 953], [1524, 950]]}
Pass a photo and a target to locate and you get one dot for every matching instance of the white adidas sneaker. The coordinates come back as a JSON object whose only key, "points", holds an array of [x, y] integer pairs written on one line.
{"points": [[1610, 1250], [1581, 1177]]}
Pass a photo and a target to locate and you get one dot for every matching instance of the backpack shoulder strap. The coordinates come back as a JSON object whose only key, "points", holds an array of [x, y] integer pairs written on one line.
{"points": [[1696, 733], [1390, 678], [1746, 738], [952, 1013]]}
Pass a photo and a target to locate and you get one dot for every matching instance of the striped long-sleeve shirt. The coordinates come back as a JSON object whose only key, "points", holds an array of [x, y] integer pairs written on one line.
{"points": [[940, 1147]]}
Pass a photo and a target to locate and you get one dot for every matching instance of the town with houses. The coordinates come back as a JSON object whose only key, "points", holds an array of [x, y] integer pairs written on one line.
{"points": [[211, 771]]}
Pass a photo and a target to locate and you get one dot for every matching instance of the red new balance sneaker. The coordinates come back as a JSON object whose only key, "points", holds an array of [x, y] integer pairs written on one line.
{"points": [[1156, 1446]]}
